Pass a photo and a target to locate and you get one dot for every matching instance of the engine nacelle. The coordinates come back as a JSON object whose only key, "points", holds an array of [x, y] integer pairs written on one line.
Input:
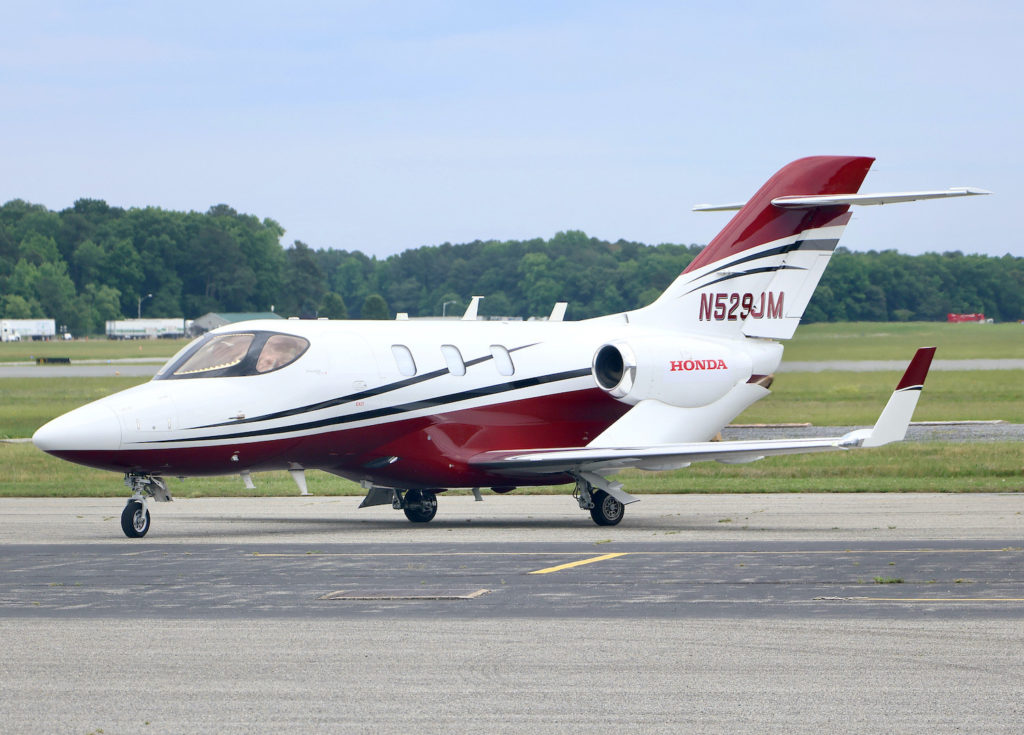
{"points": [[680, 372]]}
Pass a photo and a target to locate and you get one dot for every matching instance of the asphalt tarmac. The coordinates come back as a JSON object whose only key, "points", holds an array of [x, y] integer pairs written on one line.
{"points": [[731, 613]]}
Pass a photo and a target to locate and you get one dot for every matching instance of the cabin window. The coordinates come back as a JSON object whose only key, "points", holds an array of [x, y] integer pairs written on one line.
{"points": [[502, 360], [403, 359], [453, 358]]}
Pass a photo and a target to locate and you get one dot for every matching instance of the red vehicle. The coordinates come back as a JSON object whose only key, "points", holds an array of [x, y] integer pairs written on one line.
{"points": [[965, 317]]}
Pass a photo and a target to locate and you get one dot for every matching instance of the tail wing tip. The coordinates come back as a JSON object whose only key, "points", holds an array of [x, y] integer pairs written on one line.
{"points": [[917, 370]]}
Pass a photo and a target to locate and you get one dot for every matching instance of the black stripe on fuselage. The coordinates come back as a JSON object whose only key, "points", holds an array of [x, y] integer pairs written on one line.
{"points": [[361, 396], [488, 390]]}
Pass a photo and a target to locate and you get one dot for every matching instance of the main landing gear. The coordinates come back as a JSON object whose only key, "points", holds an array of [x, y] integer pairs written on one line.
{"points": [[605, 500], [135, 519], [420, 506]]}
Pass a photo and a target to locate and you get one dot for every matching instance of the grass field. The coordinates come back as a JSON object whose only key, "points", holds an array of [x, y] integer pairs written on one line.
{"points": [[90, 349], [924, 467], [897, 341], [847, 398], [28, 403]]}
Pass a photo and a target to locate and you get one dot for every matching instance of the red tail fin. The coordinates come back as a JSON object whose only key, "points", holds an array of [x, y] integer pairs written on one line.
{"points": [[760, 222]]}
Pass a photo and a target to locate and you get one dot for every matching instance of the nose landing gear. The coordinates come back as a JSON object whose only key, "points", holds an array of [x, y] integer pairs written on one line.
{"points": [[135, 519]]}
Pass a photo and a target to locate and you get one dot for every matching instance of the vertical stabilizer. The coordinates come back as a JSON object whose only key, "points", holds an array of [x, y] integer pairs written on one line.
{"points": [[757, 276]]}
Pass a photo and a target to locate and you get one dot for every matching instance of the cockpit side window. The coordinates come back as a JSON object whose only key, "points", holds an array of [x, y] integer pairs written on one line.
{"points": [[280, 350], [234, 355]]}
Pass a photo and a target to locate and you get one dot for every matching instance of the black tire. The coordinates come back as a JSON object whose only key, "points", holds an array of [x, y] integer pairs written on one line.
{"points": [[607, 511], [135, 519], [420, 506]]}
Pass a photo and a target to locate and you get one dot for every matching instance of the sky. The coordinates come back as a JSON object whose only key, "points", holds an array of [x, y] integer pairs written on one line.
{"points": [[384, 126]]}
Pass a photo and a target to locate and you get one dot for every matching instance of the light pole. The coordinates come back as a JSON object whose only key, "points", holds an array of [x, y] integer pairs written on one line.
{"points": [[444, 308], [141, 299]]}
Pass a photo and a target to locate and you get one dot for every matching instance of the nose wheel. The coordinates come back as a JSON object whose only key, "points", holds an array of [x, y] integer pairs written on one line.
{"points": [[135, 519], [135, 516]]}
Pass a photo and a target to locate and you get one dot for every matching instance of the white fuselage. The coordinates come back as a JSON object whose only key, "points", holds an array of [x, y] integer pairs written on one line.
{"points": [[406, 403]]}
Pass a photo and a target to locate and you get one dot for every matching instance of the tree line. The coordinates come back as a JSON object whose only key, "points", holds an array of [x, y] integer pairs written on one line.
{"points": [[92, 262]]}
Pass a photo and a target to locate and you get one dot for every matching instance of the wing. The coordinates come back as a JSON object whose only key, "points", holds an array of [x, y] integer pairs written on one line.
{"points": [[890, 427]]}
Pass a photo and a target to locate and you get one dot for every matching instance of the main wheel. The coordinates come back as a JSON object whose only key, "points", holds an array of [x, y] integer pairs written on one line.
{"points": [[607, 511], [135, 519], [420, 506]]}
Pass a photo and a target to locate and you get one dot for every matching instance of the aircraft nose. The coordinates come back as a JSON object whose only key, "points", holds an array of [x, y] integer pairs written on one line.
{"points": [[91, 427]]}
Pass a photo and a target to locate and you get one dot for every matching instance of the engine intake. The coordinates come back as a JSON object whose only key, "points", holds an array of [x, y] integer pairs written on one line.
{"points": [[686, 374]]}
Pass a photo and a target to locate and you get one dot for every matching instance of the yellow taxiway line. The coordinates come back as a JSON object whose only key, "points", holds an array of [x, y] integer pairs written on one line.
{"points": [[579, 563], [671, 552]]}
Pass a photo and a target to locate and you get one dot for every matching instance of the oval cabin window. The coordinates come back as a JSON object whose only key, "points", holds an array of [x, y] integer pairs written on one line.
{"points": [[403, 359], [453, 358], [502, 360]]}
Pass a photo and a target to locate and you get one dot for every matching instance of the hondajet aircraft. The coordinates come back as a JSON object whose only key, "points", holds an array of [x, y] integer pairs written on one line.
{"points": [[410, 409]]}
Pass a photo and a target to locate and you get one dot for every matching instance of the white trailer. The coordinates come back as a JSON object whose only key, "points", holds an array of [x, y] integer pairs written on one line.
{"points": [[17, 330], [147, 328]]}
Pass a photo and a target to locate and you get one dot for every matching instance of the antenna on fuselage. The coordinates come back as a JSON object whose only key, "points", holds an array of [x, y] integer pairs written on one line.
{"points": [[474, 304]]}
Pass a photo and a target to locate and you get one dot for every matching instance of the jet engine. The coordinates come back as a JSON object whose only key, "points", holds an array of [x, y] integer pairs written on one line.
{"points": [[683, 373]]}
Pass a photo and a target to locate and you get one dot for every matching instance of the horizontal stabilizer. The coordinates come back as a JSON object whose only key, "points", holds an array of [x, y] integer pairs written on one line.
{"points": [[836, 200]]}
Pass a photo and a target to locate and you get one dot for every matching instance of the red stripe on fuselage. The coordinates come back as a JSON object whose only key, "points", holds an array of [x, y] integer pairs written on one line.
{"points": [[432, 451]]}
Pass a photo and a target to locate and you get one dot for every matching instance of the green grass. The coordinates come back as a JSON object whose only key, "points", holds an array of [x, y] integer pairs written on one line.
{"points": [[904, 467], [90, 349], [28, 403], [848, 398], [926, 467], [897, 341]]}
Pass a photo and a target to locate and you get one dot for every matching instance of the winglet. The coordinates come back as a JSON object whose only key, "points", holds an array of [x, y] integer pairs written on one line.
{"points": [[895, 418], [917, 370]]}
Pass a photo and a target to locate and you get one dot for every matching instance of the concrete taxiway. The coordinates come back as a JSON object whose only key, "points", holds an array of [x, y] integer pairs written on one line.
{"points": [[728, 613]]}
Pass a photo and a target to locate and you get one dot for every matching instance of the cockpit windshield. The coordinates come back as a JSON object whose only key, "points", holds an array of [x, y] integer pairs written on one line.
{"points": [[235, 354]]}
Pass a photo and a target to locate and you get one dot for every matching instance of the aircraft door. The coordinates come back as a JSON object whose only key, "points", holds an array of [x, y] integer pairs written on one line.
{"points": [[353, 367]]}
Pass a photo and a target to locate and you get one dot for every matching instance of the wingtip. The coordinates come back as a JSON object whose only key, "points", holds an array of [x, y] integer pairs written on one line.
{"points": [[917, 370]]}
